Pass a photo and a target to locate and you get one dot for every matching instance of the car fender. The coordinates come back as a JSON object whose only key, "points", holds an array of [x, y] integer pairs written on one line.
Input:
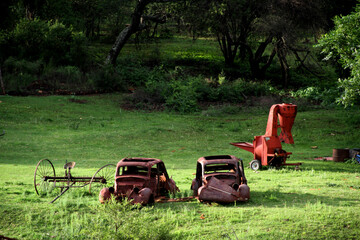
{"points": [[105, 194], [143, 196]]}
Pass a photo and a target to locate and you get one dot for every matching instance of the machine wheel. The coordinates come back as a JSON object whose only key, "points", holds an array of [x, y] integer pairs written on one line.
{"points": [[107, 173], [255, 165], [44, 169]]}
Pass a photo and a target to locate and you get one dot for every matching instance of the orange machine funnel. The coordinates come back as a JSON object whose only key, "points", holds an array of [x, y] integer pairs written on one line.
{"points": [[244, 145], [281, 116], [267, 149]]}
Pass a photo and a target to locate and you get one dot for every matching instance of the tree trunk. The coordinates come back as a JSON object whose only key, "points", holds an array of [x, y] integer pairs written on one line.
{"points": [[228, 48], [281, 53], [121, 39], [125, 34], [255, 59]]}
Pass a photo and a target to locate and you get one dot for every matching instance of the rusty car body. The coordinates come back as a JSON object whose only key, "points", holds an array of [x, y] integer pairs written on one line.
{"points": [[140, 180], [220, 179]]}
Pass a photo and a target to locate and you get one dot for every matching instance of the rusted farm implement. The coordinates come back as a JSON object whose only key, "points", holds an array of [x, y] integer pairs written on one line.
{"points": [[267, 149], [45, 179]]}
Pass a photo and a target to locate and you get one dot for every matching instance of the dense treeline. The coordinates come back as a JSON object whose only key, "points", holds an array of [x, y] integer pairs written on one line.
{"points": [[61, 46]]}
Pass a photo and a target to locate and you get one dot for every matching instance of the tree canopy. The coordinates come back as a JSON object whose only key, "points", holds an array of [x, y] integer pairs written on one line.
{"points": [[342, 44], [66, 43]]}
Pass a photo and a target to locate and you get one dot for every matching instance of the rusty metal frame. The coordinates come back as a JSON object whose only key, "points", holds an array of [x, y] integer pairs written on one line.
{"points": [[40, 175], [138, 188], [222, 187]]}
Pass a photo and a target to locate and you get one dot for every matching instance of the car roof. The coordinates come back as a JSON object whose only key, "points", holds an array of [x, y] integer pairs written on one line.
{"points": [[137, 161], [218, 159]]}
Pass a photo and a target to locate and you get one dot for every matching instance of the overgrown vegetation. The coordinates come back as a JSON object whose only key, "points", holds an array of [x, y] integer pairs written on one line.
{"points": [[195, 59]]}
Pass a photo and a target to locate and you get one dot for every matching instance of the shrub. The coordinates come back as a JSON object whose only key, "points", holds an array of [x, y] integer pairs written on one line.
{"points": [[16, 66], [19, 74], [106, 79], [157, 86], [18, 83], [182, 98], [133, 74], [238, 90], [63, 46], [172, 89], [28, 37], [181, 92], [66, 78], [52, 41], [204, 90], [315, 94]]}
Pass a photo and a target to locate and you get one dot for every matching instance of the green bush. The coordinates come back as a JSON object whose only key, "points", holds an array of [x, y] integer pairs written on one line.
{"points": [[178, 91], [325, 97], [28, 38], [157, 86], [133, 74], [204, 90], [66, 78], [19, 74], [182, 98], [63, 46], [237, 91], [106, 79], [16, 66], [53, 42], [171, 88], [18, 83]]}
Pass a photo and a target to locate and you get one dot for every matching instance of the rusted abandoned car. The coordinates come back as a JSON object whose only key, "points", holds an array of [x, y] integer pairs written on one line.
{"points": [[220, 179], [141, 180]]}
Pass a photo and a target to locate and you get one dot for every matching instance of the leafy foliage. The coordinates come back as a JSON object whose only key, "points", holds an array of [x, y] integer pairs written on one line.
{"points": [[21, 73], [51, 41], [180, 92], [343, 45], [326, 97]]}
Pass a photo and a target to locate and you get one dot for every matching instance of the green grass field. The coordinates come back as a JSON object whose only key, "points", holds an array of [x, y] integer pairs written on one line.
{"points": [[321, 201]]}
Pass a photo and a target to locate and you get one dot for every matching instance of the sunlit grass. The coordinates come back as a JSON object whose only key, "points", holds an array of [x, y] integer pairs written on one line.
{"points": [[321, 201]]}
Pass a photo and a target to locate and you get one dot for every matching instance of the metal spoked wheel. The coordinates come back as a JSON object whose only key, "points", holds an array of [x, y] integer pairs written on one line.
{"points": [[255, 165], [42, 183], [104, 177]]}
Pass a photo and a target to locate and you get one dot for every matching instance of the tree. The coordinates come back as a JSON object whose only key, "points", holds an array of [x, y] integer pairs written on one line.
{"points": [[232, 25], [230, 21], [343, 44], [32, 8], [137, 24], [259, 30], [284, 24]]}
